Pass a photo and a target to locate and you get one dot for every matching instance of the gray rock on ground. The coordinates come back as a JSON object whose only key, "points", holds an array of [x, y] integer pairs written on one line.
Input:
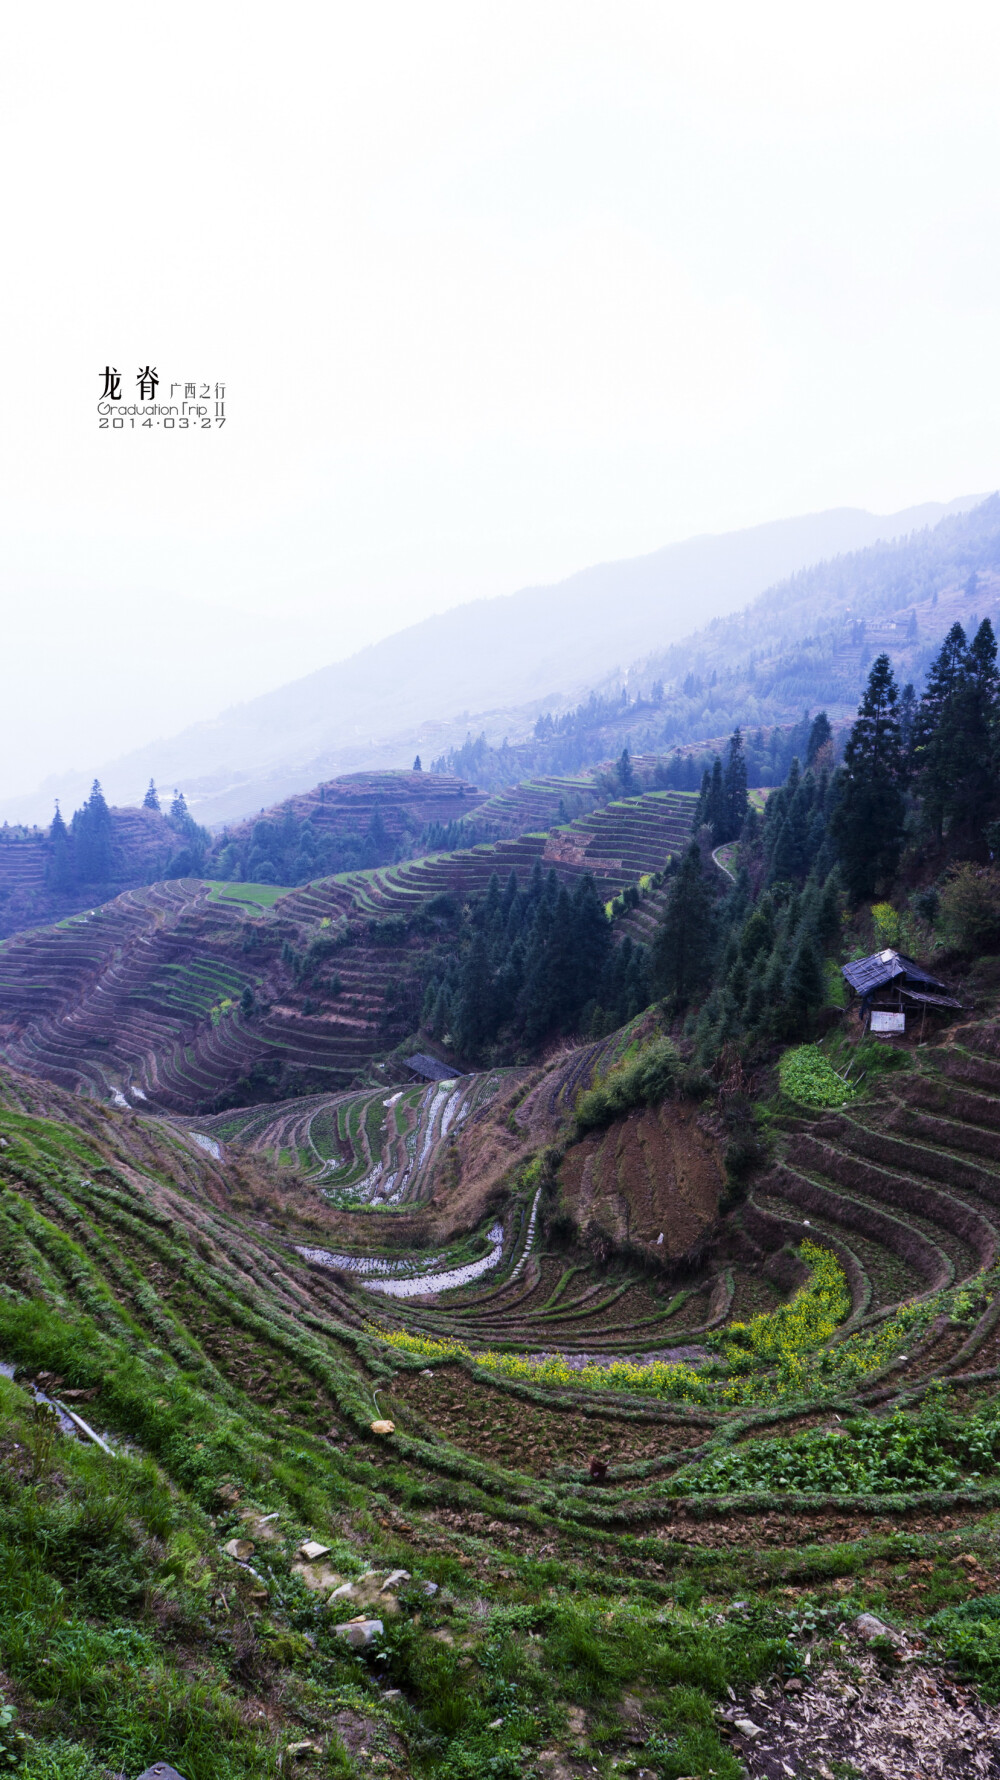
{"points": [[360, 1632]]}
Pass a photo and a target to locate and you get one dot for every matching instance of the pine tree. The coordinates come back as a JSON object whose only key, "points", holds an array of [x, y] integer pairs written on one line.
{"points": [[712, 809], [937, 738], [977, 794], [59, 870], [625, 775], [562, 964], [473, 1022], [592, 940], [376, 842], [956, 747], [509, 895], [908, 708], [735, 801], [92, 833], [754, 1005], [819, 735], [774, 1012], [178, 808], [682, 948], [867, 824], [790, 857], [441, 1016], [151, 800], [757, 937], [827, 925], [805, 988], [417, 767], [535, 1008], [493, 901]]}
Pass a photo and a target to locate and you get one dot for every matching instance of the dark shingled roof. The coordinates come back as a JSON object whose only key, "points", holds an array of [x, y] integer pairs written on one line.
{"points": [[882, 968], [421, 1064]]}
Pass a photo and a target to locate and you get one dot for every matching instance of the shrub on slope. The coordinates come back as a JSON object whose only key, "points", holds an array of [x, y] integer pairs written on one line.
{"points": [[643, 1080]]}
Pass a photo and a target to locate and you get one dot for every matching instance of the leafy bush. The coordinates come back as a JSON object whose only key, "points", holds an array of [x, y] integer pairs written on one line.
{"points": [[970, 907], [970, 1636], [885, 925], [11, 1739], [925, 903], [643, 1080], [867, 1456], [806, 1075]]}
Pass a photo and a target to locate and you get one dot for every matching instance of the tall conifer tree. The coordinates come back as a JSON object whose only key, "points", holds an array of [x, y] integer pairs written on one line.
{"points": [[867, 823], [92, 833], [734, 788], [59, 871], [819, 735], [969, 793], [682, 948], [937, 738]]}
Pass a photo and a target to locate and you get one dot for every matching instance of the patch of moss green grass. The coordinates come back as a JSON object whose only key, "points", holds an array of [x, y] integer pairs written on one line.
{"points": [[127, 1635], [263, 896], [968, 1635]]}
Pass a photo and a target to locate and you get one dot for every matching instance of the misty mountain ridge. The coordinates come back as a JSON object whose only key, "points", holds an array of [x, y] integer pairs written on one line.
{"points": [[496, 663]]}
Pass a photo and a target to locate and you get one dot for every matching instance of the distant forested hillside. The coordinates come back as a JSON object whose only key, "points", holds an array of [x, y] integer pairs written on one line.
{"points": [[507, 658], [806, 643]]}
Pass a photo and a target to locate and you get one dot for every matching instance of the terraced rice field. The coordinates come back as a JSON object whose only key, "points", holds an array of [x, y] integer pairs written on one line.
{"points": [[618, 843], [904, 1189], [556, 1425], [536, 803], [369, 1148], [141, 1000]]}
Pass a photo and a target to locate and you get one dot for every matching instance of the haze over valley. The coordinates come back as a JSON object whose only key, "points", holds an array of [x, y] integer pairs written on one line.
{"points": [[492, 664]]}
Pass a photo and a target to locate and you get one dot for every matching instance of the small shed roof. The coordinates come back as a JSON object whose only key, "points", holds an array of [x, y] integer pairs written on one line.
{"points": [[930, 1000], [866, 975], [430, 1067]]}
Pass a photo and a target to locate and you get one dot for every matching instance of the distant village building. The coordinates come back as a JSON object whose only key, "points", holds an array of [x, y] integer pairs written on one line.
{"points": [[891, 986]]}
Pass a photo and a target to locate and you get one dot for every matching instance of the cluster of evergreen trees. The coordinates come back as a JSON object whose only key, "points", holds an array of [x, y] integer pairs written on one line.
{"points": [[288, 849], [922, 773], [749, 965], [724, 803], [86, 853], [754, 963], [531, 963], [925, 770]]}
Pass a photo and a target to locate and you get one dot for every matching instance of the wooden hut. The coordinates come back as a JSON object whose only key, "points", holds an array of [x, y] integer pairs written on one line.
{"points": [[892, 987]]}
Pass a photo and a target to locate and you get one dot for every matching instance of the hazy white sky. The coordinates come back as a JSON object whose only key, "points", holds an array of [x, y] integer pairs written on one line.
{"points": [[497, 292]]}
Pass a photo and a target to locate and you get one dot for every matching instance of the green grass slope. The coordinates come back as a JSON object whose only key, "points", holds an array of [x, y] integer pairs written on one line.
{"points": [[612, 1570]]}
